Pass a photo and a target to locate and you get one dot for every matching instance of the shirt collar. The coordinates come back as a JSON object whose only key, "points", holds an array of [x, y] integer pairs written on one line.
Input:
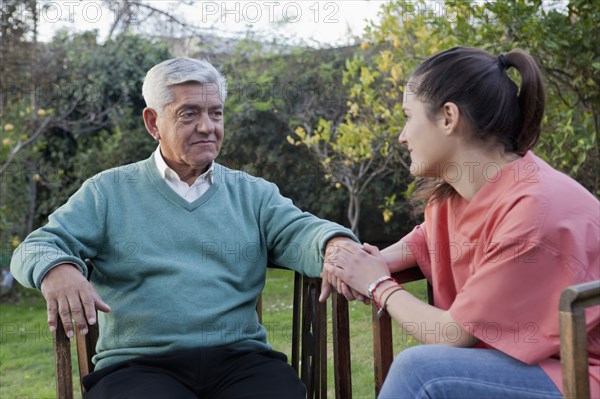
{"points": [[169, 174]]}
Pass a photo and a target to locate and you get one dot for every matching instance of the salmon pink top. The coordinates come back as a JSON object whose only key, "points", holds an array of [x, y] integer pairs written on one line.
{"points": [[499, 262]]}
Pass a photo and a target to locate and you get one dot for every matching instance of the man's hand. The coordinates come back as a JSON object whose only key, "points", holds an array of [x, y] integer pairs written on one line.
{"points": [[331, 282], [358, 266], [69, 295]]}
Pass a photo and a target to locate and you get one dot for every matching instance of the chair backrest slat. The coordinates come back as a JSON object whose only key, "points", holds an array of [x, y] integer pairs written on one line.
{"points": [[341, 348], [383, 350]]}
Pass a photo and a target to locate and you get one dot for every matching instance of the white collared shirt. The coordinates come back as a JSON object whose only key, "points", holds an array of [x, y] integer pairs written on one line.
{"points": [[189, 193]]}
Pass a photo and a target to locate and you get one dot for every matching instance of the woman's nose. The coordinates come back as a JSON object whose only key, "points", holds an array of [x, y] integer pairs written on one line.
{"points": [[402, 137]]}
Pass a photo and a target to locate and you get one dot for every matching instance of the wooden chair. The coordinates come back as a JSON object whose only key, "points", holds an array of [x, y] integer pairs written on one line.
{"points": [[309, 344], [573, 336]]}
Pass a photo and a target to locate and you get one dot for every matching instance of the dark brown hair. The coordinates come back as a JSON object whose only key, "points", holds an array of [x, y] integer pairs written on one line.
{"points": [[495, 109]]}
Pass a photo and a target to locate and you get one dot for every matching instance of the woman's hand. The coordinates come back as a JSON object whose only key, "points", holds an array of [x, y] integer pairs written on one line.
{"points": [[331, 282], [358, 267]]}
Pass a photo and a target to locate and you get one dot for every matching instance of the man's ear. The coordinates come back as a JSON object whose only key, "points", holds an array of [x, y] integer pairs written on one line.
{"points": [[450, 117], [150, 119]]}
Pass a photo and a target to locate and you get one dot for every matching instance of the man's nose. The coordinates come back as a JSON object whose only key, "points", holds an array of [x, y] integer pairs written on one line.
{"points": [[205, 125]]}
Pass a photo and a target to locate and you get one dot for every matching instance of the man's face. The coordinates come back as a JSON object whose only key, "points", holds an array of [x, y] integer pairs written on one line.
{"points": [[190, 130]]}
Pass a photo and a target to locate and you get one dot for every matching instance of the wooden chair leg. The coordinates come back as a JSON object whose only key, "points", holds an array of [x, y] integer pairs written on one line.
{"points": [[62, 366]]}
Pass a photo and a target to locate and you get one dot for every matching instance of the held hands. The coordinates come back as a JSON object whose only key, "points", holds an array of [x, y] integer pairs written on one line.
{"points": [[329, 281], [355, 266], [69, 295]]}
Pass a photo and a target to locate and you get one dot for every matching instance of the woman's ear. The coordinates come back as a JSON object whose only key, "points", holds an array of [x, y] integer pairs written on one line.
{"points": [[450, 117], [150, 120]]}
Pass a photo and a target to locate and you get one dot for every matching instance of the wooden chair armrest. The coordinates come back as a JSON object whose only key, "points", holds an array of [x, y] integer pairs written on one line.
{"points": [[409, 275], [573, 337]]}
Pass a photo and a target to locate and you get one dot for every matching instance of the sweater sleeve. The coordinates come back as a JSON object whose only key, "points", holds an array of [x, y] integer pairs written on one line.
{"points": [[73, 233], [296, 240]]}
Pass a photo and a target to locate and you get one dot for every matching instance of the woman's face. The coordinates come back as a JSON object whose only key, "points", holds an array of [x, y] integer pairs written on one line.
{"points": [[429, 148]]}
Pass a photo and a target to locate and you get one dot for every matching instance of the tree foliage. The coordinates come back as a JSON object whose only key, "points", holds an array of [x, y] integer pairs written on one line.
{"points": [[322, 124], [269, 93], [563, 40], [78, 116]]}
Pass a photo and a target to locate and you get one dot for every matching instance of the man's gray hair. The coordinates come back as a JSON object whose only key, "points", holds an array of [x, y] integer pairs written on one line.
{"points": [[159, 79]]}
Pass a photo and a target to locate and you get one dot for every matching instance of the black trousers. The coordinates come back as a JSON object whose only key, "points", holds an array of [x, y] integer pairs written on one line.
{"points": [[215, 373]]}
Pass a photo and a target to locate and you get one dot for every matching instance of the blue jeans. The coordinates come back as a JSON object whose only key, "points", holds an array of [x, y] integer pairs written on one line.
{"points": [[435, 371]]}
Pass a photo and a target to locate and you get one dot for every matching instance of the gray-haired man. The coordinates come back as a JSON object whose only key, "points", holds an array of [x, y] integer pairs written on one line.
{"points": [[180, 246]]}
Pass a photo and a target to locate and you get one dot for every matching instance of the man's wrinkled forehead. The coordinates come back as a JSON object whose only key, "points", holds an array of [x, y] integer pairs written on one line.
{"points": [[203, 92]]}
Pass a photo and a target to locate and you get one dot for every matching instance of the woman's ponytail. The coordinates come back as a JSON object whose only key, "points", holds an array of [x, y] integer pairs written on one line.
{"points": [[532, 98]]}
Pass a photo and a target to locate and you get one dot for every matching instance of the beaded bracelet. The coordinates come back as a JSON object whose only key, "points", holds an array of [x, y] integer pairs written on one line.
{"points": [[373, 286]]}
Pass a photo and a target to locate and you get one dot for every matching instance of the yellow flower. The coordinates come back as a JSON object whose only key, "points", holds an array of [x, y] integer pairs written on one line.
{"points": [[41, 112], [338, 185], [6, 142], [9, 127], [364, 46], [387, 215]]}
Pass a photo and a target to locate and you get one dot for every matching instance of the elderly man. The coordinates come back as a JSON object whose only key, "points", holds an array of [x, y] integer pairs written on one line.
{"points": [[180, 246]]}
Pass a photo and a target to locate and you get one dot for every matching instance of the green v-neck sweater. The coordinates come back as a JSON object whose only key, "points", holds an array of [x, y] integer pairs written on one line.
{"points": [[177, 275]]}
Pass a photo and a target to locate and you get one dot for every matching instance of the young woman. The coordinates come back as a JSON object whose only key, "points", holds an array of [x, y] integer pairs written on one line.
{"points": [[504, 234]]}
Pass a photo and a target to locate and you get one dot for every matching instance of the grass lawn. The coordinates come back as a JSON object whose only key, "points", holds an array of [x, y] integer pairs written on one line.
{"points": [[27, 362], [26, 351]]}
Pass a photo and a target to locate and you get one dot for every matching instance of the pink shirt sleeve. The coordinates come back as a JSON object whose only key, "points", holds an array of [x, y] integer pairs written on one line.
{"points": [[416, 241]]}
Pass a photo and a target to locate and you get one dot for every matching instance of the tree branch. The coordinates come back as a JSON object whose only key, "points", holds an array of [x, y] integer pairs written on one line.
{"points": [[24, 144]]}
